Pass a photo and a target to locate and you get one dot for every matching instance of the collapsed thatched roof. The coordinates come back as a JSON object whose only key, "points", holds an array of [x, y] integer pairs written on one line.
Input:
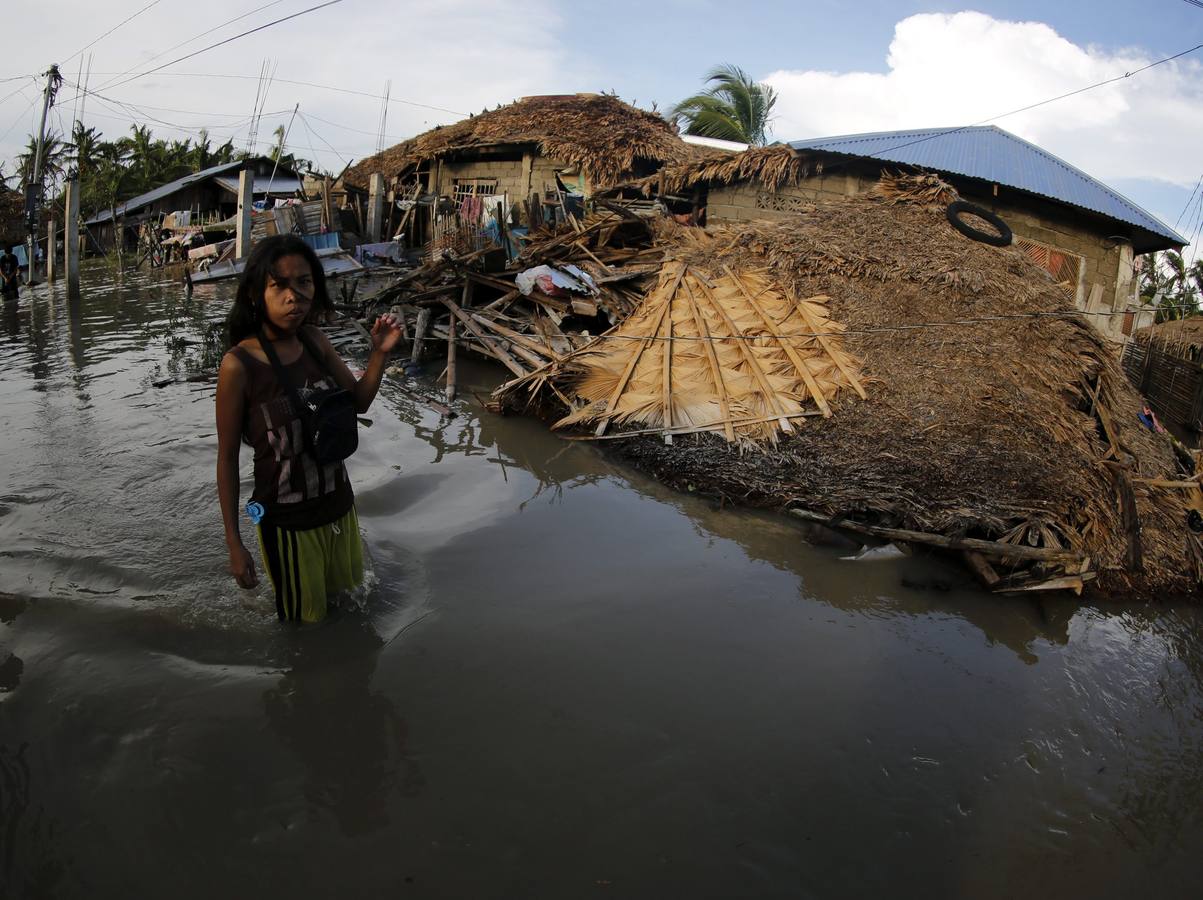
{"points": [[1183, 332], [771, 166], [598, 132], [993, 407]]}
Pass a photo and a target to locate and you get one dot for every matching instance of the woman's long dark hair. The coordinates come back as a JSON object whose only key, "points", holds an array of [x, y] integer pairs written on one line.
{"points": [[246, 315]]}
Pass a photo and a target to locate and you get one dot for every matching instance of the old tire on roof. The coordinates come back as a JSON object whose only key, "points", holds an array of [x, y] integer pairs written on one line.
{"points": [[959, 207]]}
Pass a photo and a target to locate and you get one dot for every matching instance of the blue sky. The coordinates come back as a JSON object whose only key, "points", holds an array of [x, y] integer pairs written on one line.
{"points": [[839, 67]]}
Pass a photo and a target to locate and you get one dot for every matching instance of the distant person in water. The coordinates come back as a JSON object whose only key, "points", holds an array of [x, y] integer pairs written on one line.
{"points": [[10, 274], [303, 508]]}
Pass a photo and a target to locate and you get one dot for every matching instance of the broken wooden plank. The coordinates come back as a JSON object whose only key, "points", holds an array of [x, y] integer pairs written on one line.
{"points": [[499, 352], [987, 548]]}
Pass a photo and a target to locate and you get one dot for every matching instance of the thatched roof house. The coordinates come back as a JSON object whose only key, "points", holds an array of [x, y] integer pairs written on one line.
{"points": [[1084, 233], [588, 140]]}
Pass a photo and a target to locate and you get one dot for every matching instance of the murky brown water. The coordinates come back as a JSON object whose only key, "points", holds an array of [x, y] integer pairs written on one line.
{"points": [[567, 681]]}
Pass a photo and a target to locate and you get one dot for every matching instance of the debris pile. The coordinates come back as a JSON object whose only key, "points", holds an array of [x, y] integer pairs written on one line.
{"points": [[861, 364]]}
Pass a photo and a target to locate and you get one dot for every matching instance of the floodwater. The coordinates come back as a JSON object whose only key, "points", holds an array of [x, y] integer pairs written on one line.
{"points": [[565, 680]]}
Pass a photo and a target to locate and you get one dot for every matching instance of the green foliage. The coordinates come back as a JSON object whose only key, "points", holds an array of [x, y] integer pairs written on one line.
{"points": [[1168, 283], [113, 171], [733, 108]]}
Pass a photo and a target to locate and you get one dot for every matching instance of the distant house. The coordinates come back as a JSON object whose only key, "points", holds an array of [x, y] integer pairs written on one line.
{"points": [[1084, 233], [209, 194], [578, 141]]}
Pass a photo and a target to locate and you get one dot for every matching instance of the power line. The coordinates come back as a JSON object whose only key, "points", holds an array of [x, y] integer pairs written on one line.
{"points": [[325, 87], [225, 41], [197, 37], [1082, 90], [19, 117], [1190, 198], [110, 31]]}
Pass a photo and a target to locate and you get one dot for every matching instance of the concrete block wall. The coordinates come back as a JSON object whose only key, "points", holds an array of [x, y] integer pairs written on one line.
{"points": [[510, 176], [1108, 263]]}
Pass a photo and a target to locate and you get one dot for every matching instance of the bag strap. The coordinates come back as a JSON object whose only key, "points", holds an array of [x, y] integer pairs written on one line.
{"points": [[282, 375], [308, 344]]}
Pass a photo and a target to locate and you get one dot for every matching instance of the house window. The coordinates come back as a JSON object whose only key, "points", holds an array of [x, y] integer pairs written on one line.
{"points": [[473, 187], [1062, 265]]}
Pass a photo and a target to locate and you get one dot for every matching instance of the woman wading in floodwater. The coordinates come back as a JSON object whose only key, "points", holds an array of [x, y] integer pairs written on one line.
{"points": [[302, 503]]}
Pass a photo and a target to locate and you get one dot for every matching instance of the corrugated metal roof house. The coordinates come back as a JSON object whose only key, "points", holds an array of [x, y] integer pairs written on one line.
{"points": [[994, 156], [1085, 233], [213, 190]]}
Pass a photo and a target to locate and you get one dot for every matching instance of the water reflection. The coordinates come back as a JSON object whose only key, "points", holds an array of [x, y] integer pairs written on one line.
{"points": [[30, 861], [11, 317], [349, 738]]}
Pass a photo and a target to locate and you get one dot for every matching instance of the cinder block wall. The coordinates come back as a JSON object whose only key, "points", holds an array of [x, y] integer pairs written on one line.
{"points": [[1108, 262]]}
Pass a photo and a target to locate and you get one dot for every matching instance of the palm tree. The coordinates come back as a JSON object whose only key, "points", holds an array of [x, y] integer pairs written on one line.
{"points": [[84, 149], [733, 108], [54, 155], [1170, 285]]}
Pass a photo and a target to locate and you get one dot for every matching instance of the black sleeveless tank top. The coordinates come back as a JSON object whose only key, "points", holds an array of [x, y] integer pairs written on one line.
{"points": [[295, 490]]}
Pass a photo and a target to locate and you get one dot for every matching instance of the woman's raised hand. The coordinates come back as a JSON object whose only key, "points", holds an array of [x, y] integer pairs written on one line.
{"points": [[386, 332]]}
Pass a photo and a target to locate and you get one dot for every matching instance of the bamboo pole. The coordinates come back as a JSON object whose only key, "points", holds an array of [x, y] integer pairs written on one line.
{"points": [[451, 359]]}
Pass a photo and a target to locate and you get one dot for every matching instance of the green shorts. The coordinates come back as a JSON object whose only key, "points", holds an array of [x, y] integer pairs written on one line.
{"points": [[305, 567]]}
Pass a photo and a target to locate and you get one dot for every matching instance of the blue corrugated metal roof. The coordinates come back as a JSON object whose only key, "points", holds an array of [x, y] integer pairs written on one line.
{"points": [[165, 190], [992, 154]]}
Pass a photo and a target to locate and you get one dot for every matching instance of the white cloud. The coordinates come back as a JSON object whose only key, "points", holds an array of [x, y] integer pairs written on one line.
{"points": [[454, 54], [949, 70]]}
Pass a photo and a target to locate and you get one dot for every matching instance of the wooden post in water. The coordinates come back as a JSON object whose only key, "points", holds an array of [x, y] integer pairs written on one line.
{"points": [[51, 257], [375, 207], [246, 197], [71, 238], [420, 327]]}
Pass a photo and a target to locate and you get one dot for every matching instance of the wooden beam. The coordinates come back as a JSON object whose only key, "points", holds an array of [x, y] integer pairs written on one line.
{"points": [[496, 349], [995, 549]]}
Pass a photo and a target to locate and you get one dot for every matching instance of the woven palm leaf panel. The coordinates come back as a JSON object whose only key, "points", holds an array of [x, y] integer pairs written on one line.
{"points": [[729, 353]]}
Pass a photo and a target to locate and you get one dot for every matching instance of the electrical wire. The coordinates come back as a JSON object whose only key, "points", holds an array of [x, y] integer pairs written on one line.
{"points": [[197, 37], [314, 132], [110, 31], [1068, 314], [1030, 106], [1188, 201], [17, 120], [223, 42], [228, 40], [325, 87]]}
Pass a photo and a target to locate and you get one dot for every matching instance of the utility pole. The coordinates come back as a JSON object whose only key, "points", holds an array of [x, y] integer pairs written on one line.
{"points": [[33, 189]]}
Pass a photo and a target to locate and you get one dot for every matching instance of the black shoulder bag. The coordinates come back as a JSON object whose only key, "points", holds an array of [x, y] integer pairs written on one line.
{"points": [[327, 416]]}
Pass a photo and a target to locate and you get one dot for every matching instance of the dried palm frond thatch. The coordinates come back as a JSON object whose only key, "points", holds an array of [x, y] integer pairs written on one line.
{"points": [[1186, 333], [730, 354], [598, 132], [772, 167]]}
